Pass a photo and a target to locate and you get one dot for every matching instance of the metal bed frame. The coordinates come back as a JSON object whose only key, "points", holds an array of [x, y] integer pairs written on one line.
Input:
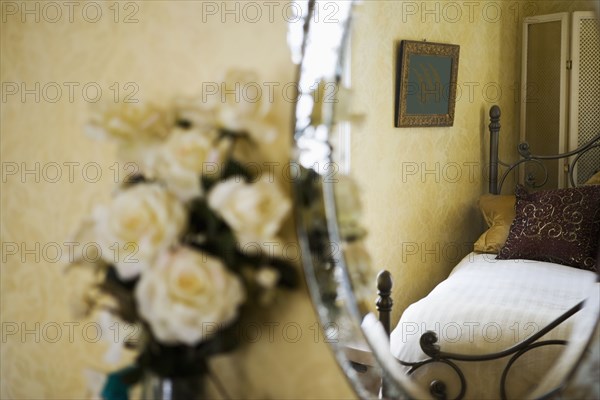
{"points": [[429, 339]]}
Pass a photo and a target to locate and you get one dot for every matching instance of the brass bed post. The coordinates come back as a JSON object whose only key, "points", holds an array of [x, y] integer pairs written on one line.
{"points": [[494, 133]]}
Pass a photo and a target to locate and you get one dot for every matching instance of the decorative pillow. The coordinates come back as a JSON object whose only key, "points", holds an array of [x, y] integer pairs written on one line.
{"points": [[498, 212], [594, 180], [560, 226]]}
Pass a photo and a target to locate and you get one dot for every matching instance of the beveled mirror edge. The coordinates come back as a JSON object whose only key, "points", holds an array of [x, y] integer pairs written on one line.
{"points": [[569, 363], [304, 216], [310, 217], [344, 285], [318, 234]]}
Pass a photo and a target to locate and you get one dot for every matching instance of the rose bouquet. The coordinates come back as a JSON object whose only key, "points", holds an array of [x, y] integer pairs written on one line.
{"points": [[183, 244]]}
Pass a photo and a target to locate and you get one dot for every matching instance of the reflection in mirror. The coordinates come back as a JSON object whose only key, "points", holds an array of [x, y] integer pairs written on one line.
{"points": [[559, 91], [498, 324], [544, 77], [323, 42]]}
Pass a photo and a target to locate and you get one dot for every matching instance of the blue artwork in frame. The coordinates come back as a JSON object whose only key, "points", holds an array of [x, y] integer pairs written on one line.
{"points": [[426, 84]]}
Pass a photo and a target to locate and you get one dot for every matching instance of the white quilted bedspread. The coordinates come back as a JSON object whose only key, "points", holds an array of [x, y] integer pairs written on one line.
{"points": [[487, 305]]}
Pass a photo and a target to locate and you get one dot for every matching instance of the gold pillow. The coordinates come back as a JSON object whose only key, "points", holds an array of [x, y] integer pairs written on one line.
{"points": [[594, 180], [498, 212]]}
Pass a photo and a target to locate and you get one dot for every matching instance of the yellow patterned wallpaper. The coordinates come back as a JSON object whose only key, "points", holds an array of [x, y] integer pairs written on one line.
{"points": [[53, 67], [421, 185], [56, 60]]}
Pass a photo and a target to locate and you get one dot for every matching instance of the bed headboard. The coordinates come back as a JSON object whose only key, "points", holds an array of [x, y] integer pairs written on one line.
{"points": [[525, 156]]}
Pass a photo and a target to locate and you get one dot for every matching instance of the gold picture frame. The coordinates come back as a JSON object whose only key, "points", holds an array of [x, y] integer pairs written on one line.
{"points": [[426, 84]]}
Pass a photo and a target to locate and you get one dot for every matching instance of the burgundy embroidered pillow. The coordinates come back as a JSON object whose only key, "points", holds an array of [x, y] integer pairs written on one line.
{"points": [[560, 226]]}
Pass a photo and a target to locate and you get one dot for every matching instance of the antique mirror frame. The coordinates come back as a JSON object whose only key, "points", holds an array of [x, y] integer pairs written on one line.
{"points": [[317, 38]]}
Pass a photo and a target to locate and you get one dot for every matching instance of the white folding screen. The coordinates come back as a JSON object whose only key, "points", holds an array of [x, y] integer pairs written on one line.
{"points": [[561, 108], [544, 92], [585, 91]]}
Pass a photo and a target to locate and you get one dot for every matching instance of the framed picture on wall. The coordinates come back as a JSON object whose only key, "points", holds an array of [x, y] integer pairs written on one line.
{"points": [[426, 84]]}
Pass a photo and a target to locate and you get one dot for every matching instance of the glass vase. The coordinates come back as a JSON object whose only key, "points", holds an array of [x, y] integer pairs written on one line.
{"points": [[157, 387]]}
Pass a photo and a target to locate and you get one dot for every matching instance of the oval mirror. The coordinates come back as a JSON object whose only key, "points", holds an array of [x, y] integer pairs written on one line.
{"points": [[442, 94]]}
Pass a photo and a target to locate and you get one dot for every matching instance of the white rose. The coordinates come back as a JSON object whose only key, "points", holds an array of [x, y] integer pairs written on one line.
{"points": [[130, 121], [139, 223], [267, 277], [183, 158], [244, 105], [241, 92], [185, 293], [199, 111], [136, 127], [254, 211]]}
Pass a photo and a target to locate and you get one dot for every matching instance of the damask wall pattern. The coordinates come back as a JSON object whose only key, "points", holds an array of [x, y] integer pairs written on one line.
{"points": [[421, 185], [153, 50], [147, 51]]}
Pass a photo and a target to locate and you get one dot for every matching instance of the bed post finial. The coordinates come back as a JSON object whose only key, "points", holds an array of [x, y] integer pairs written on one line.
{"points": [[384, 301], [494, 133], [384, 307]]}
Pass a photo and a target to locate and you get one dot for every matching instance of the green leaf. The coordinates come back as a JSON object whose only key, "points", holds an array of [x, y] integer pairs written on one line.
{"points": [[122, 292], [113, 278], [182, 360], [134, 179], [208, 183], [288, 274], [234, 168], [132, 374], [203, 220], [224, 246], [251, 259]]}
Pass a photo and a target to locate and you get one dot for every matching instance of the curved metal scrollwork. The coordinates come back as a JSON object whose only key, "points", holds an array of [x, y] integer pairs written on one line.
{"points": [[528, 157], [576, 159], [429, 346], [318, 46], [530, 179], [518, 355], [437, 387]]}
